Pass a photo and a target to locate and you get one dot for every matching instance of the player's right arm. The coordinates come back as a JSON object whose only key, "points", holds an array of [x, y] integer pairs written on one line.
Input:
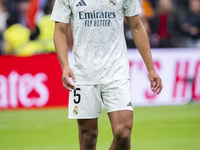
{"points": [[60, 42]]}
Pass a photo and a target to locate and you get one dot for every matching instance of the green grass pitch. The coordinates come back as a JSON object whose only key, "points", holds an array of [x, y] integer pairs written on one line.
{"points": [[155, 128]]}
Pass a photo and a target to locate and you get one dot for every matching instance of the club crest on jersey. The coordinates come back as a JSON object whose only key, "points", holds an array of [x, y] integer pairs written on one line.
{"points": [[75, 110], [112, 3]]}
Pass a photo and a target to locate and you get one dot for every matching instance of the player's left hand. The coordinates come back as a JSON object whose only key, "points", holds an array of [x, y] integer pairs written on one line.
{"points": [[155, 81]]}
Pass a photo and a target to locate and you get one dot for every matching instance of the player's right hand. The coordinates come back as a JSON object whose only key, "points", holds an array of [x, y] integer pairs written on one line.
{"points": [[68, 73]]}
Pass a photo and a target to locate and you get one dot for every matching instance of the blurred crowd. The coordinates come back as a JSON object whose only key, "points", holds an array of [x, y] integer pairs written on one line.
{"points": [[26, 28], [170, 23]]}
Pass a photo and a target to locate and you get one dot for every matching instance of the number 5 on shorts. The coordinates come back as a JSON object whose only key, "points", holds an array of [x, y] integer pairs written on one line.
{"points": [[76, 94]]}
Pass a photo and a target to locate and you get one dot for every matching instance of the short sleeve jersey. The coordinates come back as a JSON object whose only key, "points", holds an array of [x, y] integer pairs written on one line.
{"points": [[99, 49]]}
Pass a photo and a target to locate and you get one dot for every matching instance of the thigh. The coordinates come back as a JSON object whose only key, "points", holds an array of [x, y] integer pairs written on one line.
{"points": [[85, 102], [88, 132], [87, 124]]}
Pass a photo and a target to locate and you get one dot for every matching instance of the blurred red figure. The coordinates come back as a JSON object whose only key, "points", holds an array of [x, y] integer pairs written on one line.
{"points": [[161, 37], [33, 7]]}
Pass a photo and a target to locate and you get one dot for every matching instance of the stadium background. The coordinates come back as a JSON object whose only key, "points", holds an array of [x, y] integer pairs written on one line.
{"points": [[33, 104]]}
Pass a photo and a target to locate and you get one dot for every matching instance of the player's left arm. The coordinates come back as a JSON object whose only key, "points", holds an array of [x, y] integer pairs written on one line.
{"points": [[142, 43]]}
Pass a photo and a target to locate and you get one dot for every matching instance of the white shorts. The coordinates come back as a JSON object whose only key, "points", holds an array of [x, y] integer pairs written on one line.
{"points": [[86, 101]]}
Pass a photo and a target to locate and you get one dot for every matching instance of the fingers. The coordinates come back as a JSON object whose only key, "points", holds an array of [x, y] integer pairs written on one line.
{"points": [[67, 84], [158, 86], [158, 92], [152, 85], [68, 73], [66, 87], [72, 76], [155, 81]]}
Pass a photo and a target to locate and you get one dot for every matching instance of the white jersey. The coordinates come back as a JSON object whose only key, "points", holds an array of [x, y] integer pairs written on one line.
{"points": [[99, 50]]}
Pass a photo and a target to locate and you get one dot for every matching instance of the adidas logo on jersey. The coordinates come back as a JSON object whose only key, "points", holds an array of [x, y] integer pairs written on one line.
{"points": [[130, 104], [81, 3]]}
